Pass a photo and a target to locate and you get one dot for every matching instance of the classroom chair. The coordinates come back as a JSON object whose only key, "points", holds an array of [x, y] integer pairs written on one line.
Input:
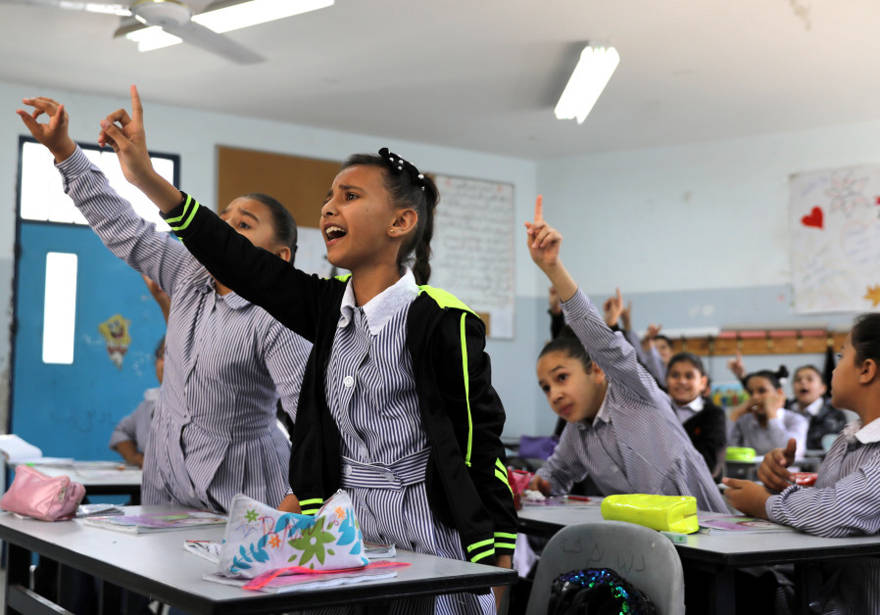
{"points": [[640, 555]]}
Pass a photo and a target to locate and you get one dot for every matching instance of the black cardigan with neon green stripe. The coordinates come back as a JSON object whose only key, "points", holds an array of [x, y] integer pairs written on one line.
{"points": [[466, 477]]}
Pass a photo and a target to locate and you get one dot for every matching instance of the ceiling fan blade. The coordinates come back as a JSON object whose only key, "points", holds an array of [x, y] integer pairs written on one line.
{"points": [[95, 6], [206, 39]]}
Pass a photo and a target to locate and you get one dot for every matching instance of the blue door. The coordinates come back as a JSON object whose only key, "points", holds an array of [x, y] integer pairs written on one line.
{"points": [[69, 410]]}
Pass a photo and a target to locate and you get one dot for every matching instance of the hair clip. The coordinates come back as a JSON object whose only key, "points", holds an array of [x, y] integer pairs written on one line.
{"points": [[396, 164]]}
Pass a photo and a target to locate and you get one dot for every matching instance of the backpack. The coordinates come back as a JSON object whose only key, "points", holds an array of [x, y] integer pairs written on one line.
{"points": [[596, 592]]}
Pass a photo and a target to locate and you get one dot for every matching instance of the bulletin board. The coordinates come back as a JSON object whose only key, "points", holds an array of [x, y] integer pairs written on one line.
{"points": [[834, 218], [299, 183], [473, 248]]}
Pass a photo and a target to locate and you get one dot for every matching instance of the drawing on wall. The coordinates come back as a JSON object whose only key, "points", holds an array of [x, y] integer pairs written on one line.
{"points": [[834, 220], [473, 248], [115, 331]]}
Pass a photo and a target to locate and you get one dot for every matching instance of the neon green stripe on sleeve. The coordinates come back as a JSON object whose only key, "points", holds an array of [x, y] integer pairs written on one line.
{"points": [[482, 555], [186, 203], [192, 215], [467, 392], [482, 543]]}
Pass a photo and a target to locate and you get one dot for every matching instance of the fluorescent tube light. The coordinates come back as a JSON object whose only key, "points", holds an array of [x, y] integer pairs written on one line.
{"points": [[152, 37], [586, 83], [245, 14]]}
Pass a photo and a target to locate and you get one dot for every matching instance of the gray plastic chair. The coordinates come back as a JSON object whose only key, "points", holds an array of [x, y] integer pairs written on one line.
{"points": [[640, 555]]}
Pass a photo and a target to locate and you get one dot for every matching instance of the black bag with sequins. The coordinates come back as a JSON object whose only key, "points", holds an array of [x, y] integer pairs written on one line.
{"points": [[596, 592]]}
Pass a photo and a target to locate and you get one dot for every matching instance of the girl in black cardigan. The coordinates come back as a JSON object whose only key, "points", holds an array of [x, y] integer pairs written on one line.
{"points": [[382, 338], [704, 422]]}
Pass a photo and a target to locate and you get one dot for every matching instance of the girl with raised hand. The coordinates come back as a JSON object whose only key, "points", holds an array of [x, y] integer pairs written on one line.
{"points": [[762, 422], [845, 500], [397, 405], [213, 432], [622, 430]]}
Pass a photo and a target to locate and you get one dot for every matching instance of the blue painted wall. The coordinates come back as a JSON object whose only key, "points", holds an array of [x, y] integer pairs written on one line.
{"points": [[70, 410]]}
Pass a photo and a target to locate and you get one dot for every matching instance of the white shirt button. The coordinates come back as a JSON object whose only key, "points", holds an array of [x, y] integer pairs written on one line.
{"points": [[348, 470], [389, 476], [348, 381]]}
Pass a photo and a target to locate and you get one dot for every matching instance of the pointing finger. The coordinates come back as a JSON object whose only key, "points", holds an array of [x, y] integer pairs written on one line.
{"points": [[137, 109]]}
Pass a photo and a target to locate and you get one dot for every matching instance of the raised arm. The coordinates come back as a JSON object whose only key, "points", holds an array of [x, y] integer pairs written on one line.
{"points": [[608, 349], [291, 296], [123, 231]]}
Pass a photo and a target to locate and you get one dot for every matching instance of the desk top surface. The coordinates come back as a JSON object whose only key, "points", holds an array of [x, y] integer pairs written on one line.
{"points": [[157, 564], [721, 547], [94, 473]]}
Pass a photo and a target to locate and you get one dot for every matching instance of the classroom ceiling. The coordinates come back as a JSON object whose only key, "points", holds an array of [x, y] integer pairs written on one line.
{"points": [[486, 75]]}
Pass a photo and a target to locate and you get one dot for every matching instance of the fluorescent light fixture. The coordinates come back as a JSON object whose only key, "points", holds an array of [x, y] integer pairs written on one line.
{"points": [[245, 14], [59, 308], [590, 76], [152, 37], [96, 7]]}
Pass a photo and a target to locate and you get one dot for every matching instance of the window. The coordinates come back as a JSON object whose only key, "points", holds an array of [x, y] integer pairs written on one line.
{"points": [[42, 195], [59, 308]]}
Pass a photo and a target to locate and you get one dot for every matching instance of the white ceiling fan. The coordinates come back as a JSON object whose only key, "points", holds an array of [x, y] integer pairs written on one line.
{"points": [[159, 23]]}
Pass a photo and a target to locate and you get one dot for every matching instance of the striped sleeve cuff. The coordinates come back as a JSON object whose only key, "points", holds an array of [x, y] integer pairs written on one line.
{"points": [[74, 165], [180, 218], [505, 543], [577, 306], [311, 506]]}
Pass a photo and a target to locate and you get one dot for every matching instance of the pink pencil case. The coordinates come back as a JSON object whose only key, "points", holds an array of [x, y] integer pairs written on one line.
{"points": [[36, 495]]}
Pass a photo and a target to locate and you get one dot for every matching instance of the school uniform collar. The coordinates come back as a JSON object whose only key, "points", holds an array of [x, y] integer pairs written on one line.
{"points": [[696, 405], [381, 308], [870, 433], [812, 410], [602, 415], [232, 299]]}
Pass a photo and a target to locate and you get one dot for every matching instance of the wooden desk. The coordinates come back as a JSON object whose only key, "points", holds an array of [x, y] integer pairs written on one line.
{"points": [[720, 553], [157, 566]]}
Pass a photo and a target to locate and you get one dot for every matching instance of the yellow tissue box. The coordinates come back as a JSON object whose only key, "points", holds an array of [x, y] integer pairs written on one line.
{"points": [[740, 453], [668, 513]]}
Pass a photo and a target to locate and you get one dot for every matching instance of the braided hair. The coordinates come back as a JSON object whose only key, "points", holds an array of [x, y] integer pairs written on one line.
{"points": [[408, 187]]}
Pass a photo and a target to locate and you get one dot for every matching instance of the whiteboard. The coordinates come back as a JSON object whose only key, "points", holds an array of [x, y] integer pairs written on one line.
{"points": [[835, 239], [473, 248]]}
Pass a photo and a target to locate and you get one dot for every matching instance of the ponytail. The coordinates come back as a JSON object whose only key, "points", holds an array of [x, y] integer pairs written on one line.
{"points": [[776, 378]]}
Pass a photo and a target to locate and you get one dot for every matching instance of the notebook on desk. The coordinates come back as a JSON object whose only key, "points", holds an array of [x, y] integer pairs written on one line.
{"points": [[148, 523]]}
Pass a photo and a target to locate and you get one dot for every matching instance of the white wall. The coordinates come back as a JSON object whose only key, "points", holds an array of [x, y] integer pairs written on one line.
{"points": [[706, 215], [194, 135]]}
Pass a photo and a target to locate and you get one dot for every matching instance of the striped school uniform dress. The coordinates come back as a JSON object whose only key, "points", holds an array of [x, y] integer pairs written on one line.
{"points": [[226, 363], [635, 443], [370, 389], [776, 433], [845, 501]]}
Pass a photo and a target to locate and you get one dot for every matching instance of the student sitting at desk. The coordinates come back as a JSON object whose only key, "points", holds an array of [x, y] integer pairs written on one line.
{"points": [[762, 422], [703, 421], [622, 430], [130, 436], [810, 402], [845, 500]]}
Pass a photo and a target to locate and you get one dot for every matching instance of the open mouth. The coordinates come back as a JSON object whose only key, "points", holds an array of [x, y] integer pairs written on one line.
{"points": [[332, 233]]}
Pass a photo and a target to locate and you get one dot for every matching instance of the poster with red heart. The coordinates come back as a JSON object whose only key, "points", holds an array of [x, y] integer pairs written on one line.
{"points": [[834, 221]]}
